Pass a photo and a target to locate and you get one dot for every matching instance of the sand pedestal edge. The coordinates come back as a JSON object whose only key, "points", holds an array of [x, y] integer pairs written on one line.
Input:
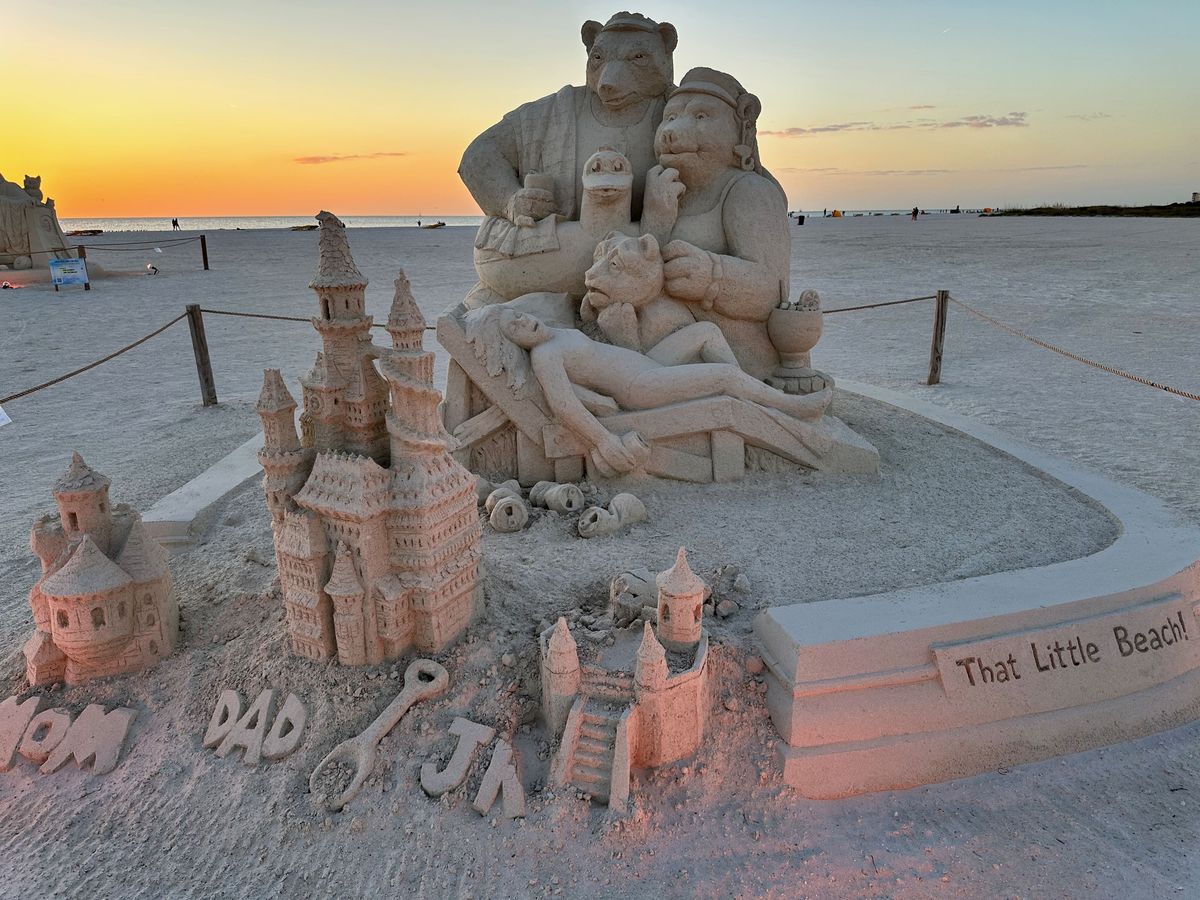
{"points": [[175, 519], [889, 690]]}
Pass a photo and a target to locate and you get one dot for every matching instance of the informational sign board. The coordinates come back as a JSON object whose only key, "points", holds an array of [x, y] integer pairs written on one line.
{"points": [[4, 419], [68, 271]]}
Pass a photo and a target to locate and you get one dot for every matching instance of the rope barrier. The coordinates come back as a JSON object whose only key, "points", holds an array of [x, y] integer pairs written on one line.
{"points": [[246, 315], [92, 365], [826, 312], [124, 247], [1112, 370]]}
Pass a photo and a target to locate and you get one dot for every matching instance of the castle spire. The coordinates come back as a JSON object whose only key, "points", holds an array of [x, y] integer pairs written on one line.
{"points": [[336, 267], [650, 670], [405, 323], [680, 602]]}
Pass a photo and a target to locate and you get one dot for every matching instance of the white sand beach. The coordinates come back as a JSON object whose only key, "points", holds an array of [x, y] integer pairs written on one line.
{"points": [[1121, 821]]}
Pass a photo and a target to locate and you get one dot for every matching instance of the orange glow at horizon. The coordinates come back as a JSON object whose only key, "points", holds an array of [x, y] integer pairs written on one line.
{"points": [[148, 109]]}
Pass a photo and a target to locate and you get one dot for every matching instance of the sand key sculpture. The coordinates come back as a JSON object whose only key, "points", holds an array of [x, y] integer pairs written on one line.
{"points": [[610, 719], [375, 524], [634, 286], [104, 604]]}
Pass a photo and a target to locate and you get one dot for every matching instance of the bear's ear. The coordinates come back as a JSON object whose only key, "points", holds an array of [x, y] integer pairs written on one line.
{"points": [[589, 31], [749, 108], [670, 37], [613, 235], [649, 246]]}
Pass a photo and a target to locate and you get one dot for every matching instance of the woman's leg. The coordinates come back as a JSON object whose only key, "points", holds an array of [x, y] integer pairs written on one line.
{"points": [[676, 384], [702, 339]]}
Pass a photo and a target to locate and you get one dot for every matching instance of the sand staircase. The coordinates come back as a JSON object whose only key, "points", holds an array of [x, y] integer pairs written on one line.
{"points": [[591, 763], [594, 754]]}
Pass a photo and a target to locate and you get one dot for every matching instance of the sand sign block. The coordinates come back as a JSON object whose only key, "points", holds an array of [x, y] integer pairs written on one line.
{"points": [[471, 736], [50, 739], [229, 728]]}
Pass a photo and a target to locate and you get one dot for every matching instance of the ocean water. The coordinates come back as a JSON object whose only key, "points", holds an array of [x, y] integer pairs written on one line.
{"points": [[247, 223]]}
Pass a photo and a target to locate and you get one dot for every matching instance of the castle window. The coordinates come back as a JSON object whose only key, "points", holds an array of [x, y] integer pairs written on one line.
{"points": [[63, 621], [153, 649], [103, 507], [666, 616], [97, 617], [697, 614], [73, 521], [150, 619], [121, 609]]}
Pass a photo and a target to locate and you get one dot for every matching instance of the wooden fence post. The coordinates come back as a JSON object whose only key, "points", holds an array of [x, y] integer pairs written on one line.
{"points": [[87, 285], [208, 387], [939, 337], [204, 251]]}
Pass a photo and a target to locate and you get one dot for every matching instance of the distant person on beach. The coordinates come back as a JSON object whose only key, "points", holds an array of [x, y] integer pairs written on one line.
{"points": [[174, 224], [418, 223], [825, 212], [914, 213]]}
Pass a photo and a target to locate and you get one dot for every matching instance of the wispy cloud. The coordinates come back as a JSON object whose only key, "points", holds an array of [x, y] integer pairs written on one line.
{"points": [[882, 173], [344, 157], [916, 173], [1089, 117], [923, 106], [1009, 120]]}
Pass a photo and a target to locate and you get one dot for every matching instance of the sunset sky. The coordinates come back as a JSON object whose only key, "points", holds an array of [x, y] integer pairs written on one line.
{"points": [[257, 107]]}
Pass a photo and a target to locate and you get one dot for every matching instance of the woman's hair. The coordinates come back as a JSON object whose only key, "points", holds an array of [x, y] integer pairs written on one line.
{"points": [[498, 354]]}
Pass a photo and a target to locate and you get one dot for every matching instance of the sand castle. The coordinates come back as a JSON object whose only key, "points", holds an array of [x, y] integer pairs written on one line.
{"points": [[612, 719], [376, 532], [104, 604]]}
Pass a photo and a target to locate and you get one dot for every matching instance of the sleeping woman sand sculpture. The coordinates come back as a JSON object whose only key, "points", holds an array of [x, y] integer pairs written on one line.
{"points": [[561, 359]]}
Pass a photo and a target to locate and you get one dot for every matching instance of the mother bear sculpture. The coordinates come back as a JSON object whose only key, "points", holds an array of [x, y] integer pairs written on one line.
{"points": [[527, 167], [725, 233]]}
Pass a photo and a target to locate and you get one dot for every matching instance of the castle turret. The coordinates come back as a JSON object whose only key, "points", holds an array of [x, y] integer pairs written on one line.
{"points": [[434, 530], [276, 407], [650, 671], [286, 465], [560, 676], [345, 588], [344, 397], [413, 421], [82, 497], [680, 605]]}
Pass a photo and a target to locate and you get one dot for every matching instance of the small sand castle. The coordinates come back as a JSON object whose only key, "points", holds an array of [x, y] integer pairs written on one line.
{"points": [[104, 604], [612, 719], [376, 533]]}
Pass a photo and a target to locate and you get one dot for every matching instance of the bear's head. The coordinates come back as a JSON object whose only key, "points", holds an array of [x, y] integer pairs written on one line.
{"points": [[709, 124], [607, 174], [629, 59], [626, 270]]}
